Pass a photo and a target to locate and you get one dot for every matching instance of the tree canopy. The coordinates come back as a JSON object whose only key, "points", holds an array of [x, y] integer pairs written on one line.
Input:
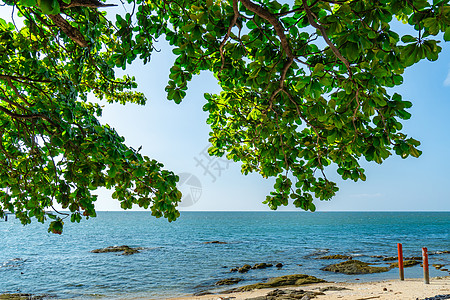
{"points": [[304, 85]]}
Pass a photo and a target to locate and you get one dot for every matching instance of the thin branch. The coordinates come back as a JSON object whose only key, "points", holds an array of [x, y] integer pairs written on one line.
{"points": [[227, 36], [314, 24]]}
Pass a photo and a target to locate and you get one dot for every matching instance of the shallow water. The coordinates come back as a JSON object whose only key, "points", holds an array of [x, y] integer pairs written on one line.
{"points": [[177, 262]]}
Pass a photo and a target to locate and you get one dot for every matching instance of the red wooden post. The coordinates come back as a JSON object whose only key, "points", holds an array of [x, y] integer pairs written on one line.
{"points": [[400, 261], [426, 272]]}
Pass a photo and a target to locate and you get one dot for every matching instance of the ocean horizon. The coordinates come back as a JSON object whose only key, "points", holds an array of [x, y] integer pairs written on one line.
{"points": [[175, 258]]}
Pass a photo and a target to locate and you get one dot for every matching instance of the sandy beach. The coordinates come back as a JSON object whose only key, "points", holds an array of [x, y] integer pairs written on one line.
{"points": [[410, 289]]}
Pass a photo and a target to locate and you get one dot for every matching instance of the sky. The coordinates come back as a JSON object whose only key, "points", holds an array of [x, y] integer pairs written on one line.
{"points": [[177, 136]]}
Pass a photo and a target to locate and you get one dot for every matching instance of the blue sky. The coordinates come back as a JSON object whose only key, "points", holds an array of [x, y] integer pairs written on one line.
{"points": [[176, 135]]}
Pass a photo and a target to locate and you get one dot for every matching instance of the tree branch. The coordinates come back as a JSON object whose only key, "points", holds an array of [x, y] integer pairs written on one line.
{"points": [[314, 24], [227, 36], [73, 33]]}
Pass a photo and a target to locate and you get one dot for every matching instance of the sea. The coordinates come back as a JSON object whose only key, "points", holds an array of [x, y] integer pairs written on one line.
{"points": [[176, 260]]}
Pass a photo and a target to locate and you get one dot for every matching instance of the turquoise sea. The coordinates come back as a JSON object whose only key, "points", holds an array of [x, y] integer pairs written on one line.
{"points": [[176, 261]]}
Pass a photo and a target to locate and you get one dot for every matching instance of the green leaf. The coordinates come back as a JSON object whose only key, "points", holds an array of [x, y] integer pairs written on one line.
{"points": [[447, 34]]}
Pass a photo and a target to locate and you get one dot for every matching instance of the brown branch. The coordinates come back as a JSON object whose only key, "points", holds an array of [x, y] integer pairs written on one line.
{"points": [[314, 24], [84, 3], [17, 78], [227, 36], [279, 29], [73, 33], [26, 117]]}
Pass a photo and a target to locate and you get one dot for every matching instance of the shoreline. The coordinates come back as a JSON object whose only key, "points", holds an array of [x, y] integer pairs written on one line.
{"points": [[410, 289]]}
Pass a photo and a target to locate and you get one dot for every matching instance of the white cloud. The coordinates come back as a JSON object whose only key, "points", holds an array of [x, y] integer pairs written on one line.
{"points": [[447, 80]]}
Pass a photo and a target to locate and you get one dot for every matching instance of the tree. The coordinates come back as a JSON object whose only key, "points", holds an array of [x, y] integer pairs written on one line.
{"points": [[304, 85]]}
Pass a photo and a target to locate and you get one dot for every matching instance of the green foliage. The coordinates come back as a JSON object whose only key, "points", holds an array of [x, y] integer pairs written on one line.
{"points": [[304, 86]]}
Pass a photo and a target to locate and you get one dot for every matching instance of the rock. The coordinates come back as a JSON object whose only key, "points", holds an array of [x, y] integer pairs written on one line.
{"points": [[203, 293], [438, 266], [244, 268], [337, 256], [287, 280], [229, 281], [390, 258], [332, 288], [413, 258], [438, 297], [215, 242], [279, 265], [261, 266], [126, 250], [22, 296], [233, 270], [354, 267], [287, 294], [406, 264]]}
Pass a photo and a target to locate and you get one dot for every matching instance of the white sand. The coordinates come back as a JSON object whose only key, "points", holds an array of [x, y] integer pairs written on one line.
{"points": [[410, 289]]}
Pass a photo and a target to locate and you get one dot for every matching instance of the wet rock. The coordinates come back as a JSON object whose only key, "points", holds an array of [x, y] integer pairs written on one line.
{"points": [[438, 297], [262, 266], [22, 296], [406, 264], [390, 258], [287, 294], [438, 266], [287, 280], [244, 268], [124, 248], [337, 256], [279, 265], [215, 242], [413, 258], [229, 281], [234, 270], [439, 252], [354, 267]]}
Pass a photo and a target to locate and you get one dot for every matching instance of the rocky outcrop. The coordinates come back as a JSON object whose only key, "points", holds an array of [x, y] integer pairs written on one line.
{"points": [[262, 266], [279, 265], [438, 266], [332, 288], [244, 268], [215, 242], [126, 250], [287, 294], [229, 281], [22, 296], [354, 267], [337, 256], [406, 263], [287, 280]]}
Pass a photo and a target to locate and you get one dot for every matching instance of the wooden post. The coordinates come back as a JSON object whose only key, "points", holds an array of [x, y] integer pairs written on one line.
{"points": [[426, 272], [400, 261]]}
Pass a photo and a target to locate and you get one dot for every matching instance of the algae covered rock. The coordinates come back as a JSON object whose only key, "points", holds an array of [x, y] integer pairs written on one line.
{"points": [[287, 295], [287, 280], [22, 296], [337, 256], [215, 242], [354, 267], [262, 266], [229, 281], [127, 250], [244, 268], [406, 264]]}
